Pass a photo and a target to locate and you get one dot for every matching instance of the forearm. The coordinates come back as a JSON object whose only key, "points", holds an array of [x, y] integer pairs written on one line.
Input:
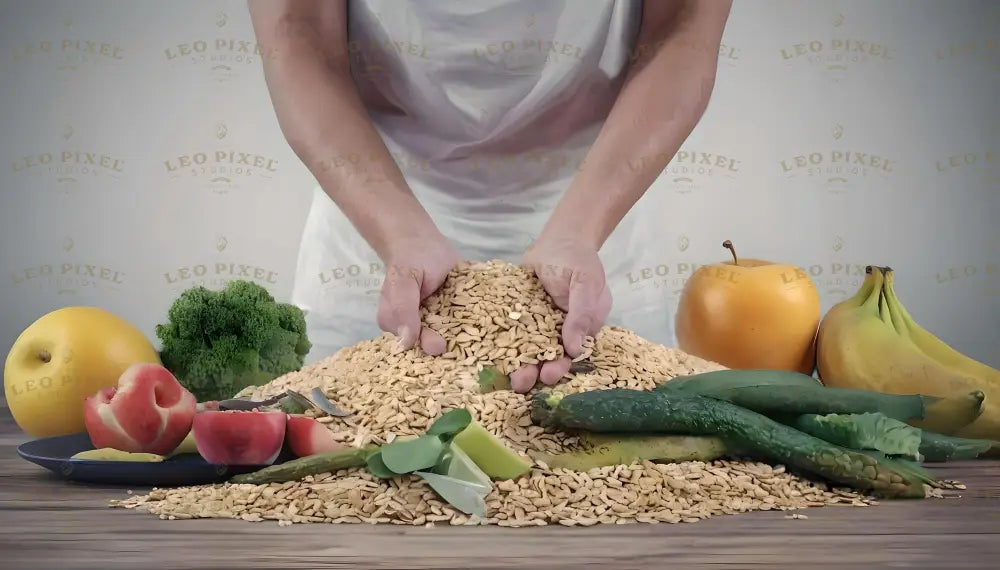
{"points": [[663, 97], [326, 125]]}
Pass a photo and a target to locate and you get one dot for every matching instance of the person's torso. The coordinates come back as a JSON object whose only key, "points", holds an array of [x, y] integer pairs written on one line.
{"points": [[490, 101]]}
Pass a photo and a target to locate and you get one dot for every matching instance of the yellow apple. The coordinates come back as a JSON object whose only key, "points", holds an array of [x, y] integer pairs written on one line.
{"points": [[750, 314], [62, 358]]}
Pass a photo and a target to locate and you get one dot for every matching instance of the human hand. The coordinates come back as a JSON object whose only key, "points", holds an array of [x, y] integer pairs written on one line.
{"points": [[573, 275], [415, 269]]}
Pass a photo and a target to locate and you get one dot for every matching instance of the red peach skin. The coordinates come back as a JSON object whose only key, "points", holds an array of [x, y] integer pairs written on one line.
{"points": [[306, 436], [236, 437], [148, 412]]}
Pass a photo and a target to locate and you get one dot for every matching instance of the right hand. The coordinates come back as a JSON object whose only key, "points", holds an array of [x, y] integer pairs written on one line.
{"points": [[414, 270]]}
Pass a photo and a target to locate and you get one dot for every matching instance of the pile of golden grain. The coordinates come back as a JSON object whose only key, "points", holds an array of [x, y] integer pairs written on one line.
{"points": [[492, 314]]}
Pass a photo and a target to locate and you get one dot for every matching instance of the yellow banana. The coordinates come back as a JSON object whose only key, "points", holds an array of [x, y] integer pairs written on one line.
{"points": [[978, 375], [858, 347], [931, 345]]}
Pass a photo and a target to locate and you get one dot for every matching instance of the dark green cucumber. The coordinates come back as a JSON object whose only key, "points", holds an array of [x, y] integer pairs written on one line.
{"points": [[786, 394], [791, 401], [661, 411], [738, 378], [936, 447]]}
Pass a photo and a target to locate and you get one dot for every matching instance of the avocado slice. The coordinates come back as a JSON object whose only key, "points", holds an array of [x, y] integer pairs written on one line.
{"points": [[490, 454]]}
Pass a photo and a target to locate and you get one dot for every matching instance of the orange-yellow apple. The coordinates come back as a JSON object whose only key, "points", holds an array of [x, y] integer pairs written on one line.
{"points": [[750, 314]]}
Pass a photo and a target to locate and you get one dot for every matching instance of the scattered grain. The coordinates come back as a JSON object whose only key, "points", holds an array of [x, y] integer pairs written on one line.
{"points": [[492, 314]]}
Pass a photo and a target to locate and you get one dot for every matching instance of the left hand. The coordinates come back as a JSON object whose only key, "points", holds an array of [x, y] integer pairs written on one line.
{"points": [[573, 275]]}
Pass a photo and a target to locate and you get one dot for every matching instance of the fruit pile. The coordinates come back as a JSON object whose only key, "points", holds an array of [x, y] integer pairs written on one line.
{"points": [[871, 342]]}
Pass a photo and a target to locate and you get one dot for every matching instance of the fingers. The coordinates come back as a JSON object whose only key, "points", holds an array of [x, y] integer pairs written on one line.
{"points": [[431, 342], [523, 379], [399, 308], [553, 370], [589, 306]]}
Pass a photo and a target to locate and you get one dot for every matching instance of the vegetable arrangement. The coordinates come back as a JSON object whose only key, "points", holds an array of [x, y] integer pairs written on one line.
{"points": [[219, 342], [457, 458], [850, 437]]}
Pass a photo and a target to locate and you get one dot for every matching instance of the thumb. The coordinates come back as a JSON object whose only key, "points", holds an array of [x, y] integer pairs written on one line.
{"points": [[586, 312], [399, 308]]}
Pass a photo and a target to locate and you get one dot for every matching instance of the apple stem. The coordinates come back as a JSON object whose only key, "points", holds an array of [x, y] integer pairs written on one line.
{"points": [[729, 245], [44, 356]]}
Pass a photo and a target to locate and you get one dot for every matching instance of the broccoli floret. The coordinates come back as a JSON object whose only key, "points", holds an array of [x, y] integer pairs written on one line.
{"points": [[218, 342]]}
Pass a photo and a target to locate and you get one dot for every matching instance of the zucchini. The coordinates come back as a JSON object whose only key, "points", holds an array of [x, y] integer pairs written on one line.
{"points": [[662, 411]]}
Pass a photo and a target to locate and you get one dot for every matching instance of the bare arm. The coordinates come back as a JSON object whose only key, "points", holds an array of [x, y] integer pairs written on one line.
{"points": [[307, 71], [664, 96]]}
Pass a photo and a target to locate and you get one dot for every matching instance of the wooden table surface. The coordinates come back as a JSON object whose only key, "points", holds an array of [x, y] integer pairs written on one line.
{"points": [[47, 523]]}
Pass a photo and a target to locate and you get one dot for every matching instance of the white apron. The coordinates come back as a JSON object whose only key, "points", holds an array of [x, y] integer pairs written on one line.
{"points": [[489, 107]]}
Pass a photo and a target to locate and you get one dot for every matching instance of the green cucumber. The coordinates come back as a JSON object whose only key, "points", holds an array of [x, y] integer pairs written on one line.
{"points": [[936, 447], [660, 411], [731, 378]]}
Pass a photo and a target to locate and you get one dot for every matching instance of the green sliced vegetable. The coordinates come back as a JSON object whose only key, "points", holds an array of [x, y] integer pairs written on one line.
{"points": [[490, 454], [458, 465], [490, 380], [662, 411], [376, 466], [625, 449], [733, 378], [870, 431], [464, 496], [450, 423], [407, 456], [936, 447]]}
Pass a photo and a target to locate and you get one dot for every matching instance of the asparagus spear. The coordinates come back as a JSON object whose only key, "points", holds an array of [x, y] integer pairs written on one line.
{"points": [[311, 465]]}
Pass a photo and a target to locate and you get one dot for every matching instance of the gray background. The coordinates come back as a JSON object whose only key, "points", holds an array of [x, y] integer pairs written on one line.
{"points": [[139, 87]]}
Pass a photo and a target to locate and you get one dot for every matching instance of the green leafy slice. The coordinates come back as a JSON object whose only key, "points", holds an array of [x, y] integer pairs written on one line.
{"points": [[490, 379], [868, 431], [376, 466], [460, 466], [407, 456], [450, 423], [463, 495]]}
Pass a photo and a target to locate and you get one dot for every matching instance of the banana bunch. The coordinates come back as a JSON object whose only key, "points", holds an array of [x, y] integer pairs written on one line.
{"points": [[871, 342]]}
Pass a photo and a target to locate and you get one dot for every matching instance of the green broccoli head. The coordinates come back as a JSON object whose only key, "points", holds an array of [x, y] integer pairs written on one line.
{"points": [[292, 319], [218, 342]]}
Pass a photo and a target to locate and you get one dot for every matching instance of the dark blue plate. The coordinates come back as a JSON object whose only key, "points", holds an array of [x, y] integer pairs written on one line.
{"points": [[54, 453]]}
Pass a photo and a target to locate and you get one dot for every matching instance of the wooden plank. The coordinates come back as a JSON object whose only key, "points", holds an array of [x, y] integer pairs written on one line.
{"points": [[49, 523]]}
